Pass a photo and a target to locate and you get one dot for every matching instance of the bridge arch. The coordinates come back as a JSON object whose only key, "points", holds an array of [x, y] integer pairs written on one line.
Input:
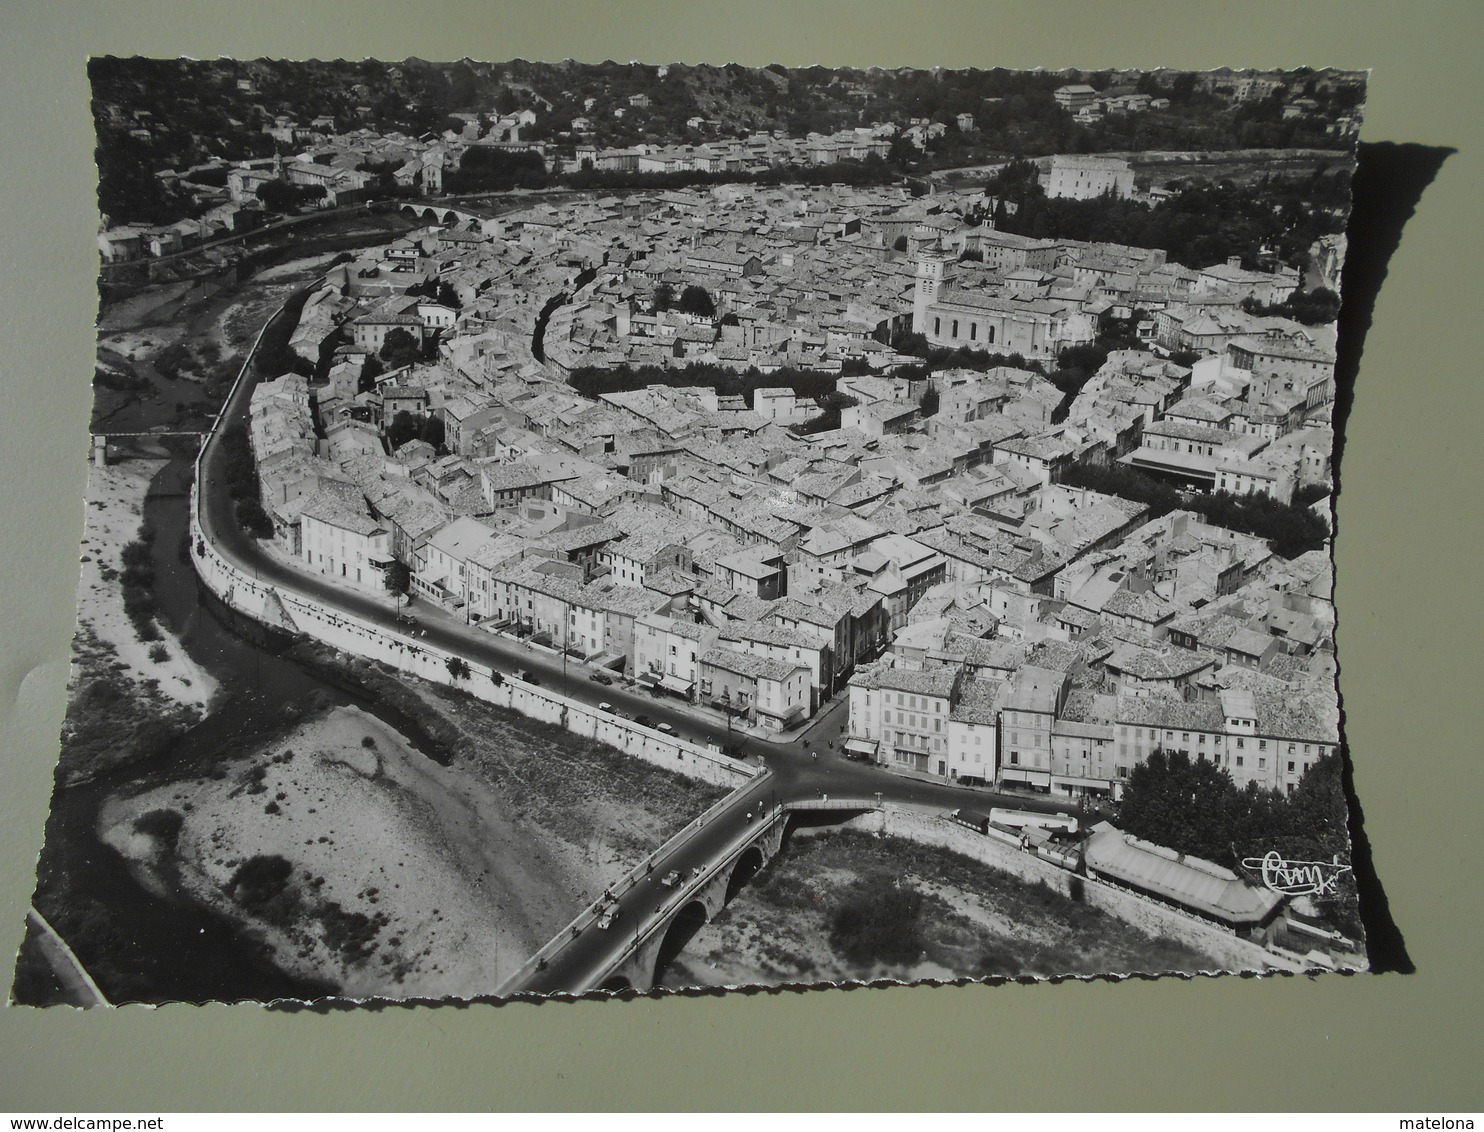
{"points": [[686, 923], [616, 984], [745, 868]]}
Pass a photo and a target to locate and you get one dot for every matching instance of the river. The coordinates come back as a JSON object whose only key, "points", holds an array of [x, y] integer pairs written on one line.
{"points": [[159, 949], [139, 946]]}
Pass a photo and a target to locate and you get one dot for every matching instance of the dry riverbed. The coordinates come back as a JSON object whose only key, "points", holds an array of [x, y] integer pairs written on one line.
{"points": [[128, 697], [115, 513], [363, 861], [845, 906]]}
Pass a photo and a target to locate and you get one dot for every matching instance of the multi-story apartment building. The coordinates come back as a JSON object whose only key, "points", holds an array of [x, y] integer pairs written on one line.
{"points": [[903, 715]]}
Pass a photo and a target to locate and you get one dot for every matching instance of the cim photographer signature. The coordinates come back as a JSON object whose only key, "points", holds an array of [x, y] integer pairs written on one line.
{"points": [[1297, 878]]}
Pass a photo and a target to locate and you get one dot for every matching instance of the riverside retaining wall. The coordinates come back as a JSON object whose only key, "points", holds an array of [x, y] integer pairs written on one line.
{"points": [[295, 613]]}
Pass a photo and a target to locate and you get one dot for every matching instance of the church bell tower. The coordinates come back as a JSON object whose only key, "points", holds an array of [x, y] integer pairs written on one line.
{"points": [[932, 265]]}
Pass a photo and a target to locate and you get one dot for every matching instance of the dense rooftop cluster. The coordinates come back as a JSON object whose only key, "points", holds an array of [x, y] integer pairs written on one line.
{"points": [[990, 620]]}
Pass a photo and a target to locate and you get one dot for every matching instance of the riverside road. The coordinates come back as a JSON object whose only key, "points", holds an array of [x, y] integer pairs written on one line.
{"points": [[796, 773]]}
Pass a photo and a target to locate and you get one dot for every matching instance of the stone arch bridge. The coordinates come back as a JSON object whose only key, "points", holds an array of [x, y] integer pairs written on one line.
{"points": [[450, 216], [655, 922]]}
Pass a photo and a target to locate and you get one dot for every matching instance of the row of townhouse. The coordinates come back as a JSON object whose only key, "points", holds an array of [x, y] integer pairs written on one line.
{"points": [[541, 586], [1036, 731], [755, 670], [341, 539]]}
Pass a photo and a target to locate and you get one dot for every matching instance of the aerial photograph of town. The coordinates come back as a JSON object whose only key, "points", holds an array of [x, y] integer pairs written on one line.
{"points": [[611, 528]]}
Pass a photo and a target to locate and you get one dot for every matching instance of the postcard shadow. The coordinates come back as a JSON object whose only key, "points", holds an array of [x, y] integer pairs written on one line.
{"points": [[1389, 181]]}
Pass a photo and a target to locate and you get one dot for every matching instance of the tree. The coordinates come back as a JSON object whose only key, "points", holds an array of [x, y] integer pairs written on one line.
{"points": [[404, 427], [1183, 804], [1311, 493], [458, 668], [432, 431], [697, 301], [1319, 826], [928, 406], [1318, 307], [400, 348], [664, 297], [254, 519], [277, 196], [1126, 483], [398, 577], [373, 369], [484, 169], [1290, 529]]}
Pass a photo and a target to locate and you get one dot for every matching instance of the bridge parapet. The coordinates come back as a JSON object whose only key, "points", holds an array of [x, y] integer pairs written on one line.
{"points": [[625, 884], [436, 213], [637, 948], [636, 962], [821, 805]]}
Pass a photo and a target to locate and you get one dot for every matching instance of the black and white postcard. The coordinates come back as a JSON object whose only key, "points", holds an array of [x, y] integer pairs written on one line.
{"points": [[566, 528]]}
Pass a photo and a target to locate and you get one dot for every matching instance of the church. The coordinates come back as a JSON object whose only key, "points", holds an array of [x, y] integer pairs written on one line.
{"points": [[1024, 322]]}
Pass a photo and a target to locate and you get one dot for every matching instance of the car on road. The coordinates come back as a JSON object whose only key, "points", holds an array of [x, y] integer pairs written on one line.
{"points": [[530, 678], [671, 878], [601, 678], [606, 707], [608, 915], [666, 728], [643, 720]]}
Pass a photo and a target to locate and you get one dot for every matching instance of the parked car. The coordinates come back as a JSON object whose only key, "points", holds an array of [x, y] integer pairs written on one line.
{"points": [[671, 878], [601, 678], [643, 720], [606, 707], [530, 678], [666, 728]]}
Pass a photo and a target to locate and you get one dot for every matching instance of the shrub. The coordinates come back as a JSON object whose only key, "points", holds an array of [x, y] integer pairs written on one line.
{"points": [[875, 926], [138, 554], [163, 825], [159, 654], [352, 934], [260, 879]]}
